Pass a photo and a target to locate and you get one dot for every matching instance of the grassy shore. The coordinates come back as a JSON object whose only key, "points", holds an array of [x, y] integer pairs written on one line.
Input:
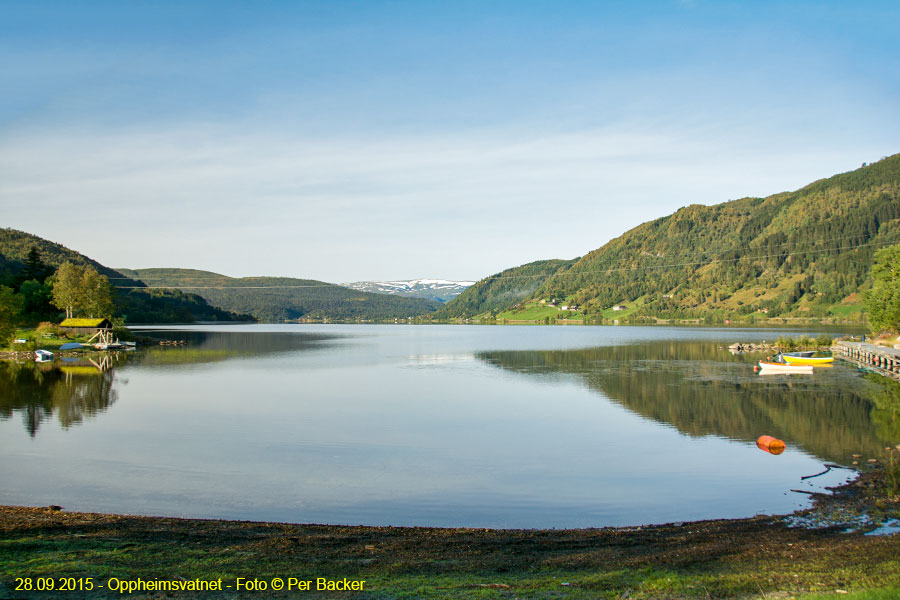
{"points": [[762, 557], [52, 341]]}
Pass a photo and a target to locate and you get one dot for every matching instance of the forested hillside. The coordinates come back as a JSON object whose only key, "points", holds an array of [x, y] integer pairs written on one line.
{"points": [[137, 305], [805, 253], [503, 289], [284, 298]]}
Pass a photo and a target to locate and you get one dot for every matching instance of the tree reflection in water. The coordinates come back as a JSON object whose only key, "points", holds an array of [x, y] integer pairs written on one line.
{"points": [[702, 390], [76, 388], [73, 389]]}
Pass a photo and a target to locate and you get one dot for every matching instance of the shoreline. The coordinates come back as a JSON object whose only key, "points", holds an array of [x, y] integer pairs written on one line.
{"points": [[724, 558]]}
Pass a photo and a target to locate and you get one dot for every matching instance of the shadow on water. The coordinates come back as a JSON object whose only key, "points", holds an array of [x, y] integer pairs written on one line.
{"points": [[702, 390]]}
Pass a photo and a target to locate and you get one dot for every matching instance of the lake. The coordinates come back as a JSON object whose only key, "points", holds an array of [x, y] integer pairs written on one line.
{"points": [[435, 425]]}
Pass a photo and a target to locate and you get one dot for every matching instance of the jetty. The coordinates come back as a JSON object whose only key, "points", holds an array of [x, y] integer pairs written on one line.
{"points": [[880, 359]]}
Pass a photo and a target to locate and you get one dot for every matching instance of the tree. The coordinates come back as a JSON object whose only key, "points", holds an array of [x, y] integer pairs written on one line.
{"points": [[883, 300], [10, 310], [66, 287], [81, 289], [34, 267], [96, 294], [36, 297]]}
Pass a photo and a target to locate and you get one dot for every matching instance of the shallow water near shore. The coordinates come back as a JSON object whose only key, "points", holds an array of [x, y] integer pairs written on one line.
{"points": [[474, 426]]}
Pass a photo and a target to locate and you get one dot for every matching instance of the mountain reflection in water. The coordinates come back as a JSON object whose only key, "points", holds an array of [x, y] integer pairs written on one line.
{"points": [[703, 390]]}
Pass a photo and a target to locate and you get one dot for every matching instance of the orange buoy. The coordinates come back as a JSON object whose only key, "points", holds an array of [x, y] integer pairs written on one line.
{"points": [[770, 444]]}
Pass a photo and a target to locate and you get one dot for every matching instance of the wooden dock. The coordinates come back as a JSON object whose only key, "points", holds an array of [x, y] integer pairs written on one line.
{"points": [[880, 359]]}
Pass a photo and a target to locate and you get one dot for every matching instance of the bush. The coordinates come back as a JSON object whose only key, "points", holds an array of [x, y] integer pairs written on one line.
{"points": [[786, 343], [824, 340], [45, 329]]}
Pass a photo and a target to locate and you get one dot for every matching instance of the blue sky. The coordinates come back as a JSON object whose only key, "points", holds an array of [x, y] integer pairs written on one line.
{"points": [[385, 140]]}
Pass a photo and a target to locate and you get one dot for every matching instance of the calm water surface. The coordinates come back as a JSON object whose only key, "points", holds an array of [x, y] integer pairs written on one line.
{"points": [[432, 425]]}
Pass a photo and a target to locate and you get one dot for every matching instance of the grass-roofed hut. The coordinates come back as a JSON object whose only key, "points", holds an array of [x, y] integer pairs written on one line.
{"points": [[86, 326]]}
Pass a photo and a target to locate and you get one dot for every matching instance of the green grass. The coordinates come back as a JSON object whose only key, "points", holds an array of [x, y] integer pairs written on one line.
{"points": [[892, 593], [33, 342], [611, 314], [846, 310], [538, 312]]}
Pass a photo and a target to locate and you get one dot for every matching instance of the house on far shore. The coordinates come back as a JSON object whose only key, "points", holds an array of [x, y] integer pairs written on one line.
{"points": [[86, 326], [620, 307]]}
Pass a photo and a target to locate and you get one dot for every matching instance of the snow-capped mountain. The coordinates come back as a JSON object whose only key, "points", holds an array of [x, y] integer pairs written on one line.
{"points": [[436, 289]]}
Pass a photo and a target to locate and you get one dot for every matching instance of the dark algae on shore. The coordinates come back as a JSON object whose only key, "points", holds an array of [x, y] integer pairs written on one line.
{"points": [[761, 557]]}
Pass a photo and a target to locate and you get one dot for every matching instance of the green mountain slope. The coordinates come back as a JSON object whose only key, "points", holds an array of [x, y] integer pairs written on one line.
{"points": [[502, 290], [137, 305], [282, 298], [805, 253], [15, 244]]}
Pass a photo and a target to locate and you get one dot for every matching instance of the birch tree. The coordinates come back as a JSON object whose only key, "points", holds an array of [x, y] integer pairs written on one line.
{"points": [[81, 290]]}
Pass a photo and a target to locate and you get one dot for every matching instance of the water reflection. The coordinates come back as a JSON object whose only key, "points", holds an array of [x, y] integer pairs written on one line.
{"points": [[77, 387], [72, 389], [702, 390], [391, 425], [205, 347], [885, 396]]}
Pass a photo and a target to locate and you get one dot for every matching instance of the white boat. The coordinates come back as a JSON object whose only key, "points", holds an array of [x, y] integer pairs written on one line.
{"points": [[43, 356], [766, 368]]}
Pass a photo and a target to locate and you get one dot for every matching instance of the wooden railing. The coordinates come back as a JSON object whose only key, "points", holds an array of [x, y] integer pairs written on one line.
{"points": [[877, 358]]}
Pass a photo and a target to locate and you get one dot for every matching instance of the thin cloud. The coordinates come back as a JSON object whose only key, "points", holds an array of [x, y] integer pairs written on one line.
{"points": [[496, 193]]}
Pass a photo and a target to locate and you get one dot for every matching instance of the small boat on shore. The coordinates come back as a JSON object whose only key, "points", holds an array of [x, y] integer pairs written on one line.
{"points": [[806, 358], [768, 367], [43, 356]]}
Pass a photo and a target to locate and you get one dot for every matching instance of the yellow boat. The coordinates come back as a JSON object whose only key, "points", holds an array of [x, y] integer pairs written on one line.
{"points": [[806, 358]]}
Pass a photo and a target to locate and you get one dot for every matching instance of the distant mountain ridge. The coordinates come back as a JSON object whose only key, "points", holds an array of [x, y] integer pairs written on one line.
{"points": [[805, 253], [284, 298], [441, 290]]}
